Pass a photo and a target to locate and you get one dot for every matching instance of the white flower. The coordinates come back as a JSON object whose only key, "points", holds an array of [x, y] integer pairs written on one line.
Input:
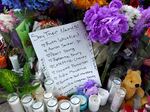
{"points": [[7, 22], [132, 14]]}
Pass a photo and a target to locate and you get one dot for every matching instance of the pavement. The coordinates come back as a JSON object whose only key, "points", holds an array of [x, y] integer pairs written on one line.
{"points": [[6, 108]]}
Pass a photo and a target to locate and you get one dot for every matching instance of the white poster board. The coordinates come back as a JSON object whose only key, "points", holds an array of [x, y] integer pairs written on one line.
{"points": [[67, 54]]}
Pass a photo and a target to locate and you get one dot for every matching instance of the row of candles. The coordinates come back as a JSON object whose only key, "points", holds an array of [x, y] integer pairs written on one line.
{"points": [[76, 103], [46, 101]]}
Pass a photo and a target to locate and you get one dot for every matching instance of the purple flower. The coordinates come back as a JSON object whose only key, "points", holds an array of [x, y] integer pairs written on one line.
{"points": [[91, 15], [89, 84], [89, 88], [105, 24], [142, 23], [92, 91], [116, 4]]}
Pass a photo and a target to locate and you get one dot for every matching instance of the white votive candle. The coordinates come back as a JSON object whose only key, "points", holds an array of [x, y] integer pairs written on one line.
{"points": [[116, 83], [103, 96], [75, 104], [118, 99], [65, 106], [52, 105], [27, 101], [38, 107], [110, 81], [47, 96], [15, 103], [49, 85], [39, 92], [94, 103]]}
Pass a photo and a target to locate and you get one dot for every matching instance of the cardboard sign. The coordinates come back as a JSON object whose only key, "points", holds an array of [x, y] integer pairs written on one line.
{"points": [[67, 55]]}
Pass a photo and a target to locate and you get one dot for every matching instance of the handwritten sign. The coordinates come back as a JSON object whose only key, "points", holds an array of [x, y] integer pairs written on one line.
{"points": [[67, 55]]}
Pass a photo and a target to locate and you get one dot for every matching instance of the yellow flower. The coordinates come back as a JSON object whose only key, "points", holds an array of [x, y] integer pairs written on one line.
{"points": [[85, 4]]}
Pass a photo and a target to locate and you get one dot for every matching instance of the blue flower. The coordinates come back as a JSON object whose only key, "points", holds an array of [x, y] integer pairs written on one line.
{"points": [[37, 4], [15, 4]]}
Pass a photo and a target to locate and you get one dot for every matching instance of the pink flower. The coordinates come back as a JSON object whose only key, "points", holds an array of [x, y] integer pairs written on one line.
{"points": [[7, 21]]}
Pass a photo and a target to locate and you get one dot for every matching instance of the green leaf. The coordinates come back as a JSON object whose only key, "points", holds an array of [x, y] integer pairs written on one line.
{"points": [[26, 73], [28, 89], [8, 80], [143, 53]]}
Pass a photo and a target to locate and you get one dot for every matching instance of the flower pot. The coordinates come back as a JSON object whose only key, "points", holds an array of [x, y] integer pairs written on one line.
{"points": [[14, 62], [3, 62]]}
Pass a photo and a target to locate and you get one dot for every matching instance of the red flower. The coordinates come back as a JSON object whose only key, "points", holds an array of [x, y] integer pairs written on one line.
{"points": [[134, 3], [127, 108]]}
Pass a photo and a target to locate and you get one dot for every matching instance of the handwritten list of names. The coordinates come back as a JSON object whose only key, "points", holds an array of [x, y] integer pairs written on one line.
{"points": [[68, 55]]}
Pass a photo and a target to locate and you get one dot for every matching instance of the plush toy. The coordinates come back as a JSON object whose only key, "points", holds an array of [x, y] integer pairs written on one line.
{"points": [[132, 83]]}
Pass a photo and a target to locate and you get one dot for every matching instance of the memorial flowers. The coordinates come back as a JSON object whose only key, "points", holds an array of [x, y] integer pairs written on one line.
{"points": [[121, 31], [132, 14], [88, 88], [40, 5], [85, 4], [3, 61], [7, 21], [142, 23], [113, 25], [15, 4], [37, 4], [106, 23]]}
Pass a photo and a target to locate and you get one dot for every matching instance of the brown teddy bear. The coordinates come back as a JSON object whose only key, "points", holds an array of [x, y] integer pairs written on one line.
{"points": [[132, 83]]}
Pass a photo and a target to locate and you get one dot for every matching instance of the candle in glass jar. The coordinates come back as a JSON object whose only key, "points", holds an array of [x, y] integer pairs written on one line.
{"points": [[47, 96], [27, 101], [103, 96], [65, 106], [118, 99], [39, 92], [49, 85], [83, 102], [38, 106], [94, 103], [52, 105], [75, 104], [15, 103], [116, 83], [109, 84]]}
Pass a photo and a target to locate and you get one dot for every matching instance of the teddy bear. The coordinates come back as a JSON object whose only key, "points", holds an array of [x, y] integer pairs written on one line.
{"points": [[132, 83]]}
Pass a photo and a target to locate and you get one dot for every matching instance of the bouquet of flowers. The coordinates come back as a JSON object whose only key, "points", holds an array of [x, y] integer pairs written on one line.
{"points": [[114, 25]]}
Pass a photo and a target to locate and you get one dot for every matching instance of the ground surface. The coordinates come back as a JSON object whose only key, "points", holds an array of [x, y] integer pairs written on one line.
{"points": [[5, 108]]}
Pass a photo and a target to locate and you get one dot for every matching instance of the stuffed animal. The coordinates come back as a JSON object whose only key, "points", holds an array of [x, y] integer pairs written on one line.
{"points": [[132, 83]]}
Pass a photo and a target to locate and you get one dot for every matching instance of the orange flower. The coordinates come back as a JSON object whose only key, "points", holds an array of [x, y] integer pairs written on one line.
{"points": [[147, 33], [85, 4], [3, 62]]}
